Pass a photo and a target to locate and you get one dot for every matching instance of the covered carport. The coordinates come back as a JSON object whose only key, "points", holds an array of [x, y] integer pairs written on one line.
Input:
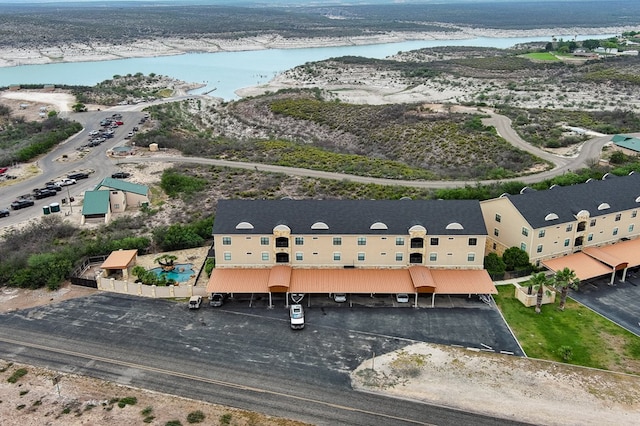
{"points": [[415, 280], [595, 262]]}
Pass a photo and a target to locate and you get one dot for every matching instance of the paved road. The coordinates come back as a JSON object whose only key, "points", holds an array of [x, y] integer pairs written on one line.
{"points": [[244, 357], [96, 160], [54, 166], [619, 303]]}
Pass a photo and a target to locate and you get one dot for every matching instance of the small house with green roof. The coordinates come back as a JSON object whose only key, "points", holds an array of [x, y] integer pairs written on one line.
{"points": [[112, 196], [629, 145], [123, 194]]}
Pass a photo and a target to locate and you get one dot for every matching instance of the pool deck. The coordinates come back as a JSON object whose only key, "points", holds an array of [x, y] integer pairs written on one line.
{"points": [[195, 256]]}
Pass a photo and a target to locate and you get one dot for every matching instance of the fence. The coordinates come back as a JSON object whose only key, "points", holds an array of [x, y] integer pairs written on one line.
{"points": [[85, 282], [138, 289]]}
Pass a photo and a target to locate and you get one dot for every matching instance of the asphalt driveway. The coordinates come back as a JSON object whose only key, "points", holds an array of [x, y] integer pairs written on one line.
{"points": [[619, 302]]}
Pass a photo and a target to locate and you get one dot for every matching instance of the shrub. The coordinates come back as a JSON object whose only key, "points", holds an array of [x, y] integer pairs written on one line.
{"points": [[129, 400], [195, 417], [225, 419], [17, 374], [173, 423]]}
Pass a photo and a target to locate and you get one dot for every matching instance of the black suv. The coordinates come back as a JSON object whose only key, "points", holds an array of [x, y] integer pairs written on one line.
{"points": [[120, 175], [77, 176], [21, 204], [4, 213], [44, 193]]}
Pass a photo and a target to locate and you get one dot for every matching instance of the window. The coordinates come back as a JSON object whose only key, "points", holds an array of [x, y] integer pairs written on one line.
{"points": [[525, 232], [360, 257], [590, 237], [498, 217], [265, 256], [299, 241], [226, 241], [523, 246], [615, 231], [264, 241], [433, 257], [471, 257], [337, 241], [496, 232], [618, 217], [473, 241], [399, 241], [539, 248], [362, 241], [337, 255], [282, 242], [435, 241], [399, 257], [570, 227], [631, 228], [566, 242], [634, 213], [592, 223], [227, 255], [299, 255], [541, 233], [116, 206]]}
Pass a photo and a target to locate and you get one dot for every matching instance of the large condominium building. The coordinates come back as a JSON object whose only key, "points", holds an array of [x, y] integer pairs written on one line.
{"points": [[585, 219], [349, 246]]}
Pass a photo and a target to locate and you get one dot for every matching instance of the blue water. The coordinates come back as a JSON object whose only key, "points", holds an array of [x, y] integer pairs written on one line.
{"points": [[227, 72], [181, 273]]}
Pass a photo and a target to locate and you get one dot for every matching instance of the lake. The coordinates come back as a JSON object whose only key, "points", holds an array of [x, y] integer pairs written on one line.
{"points": [[227, 72]]}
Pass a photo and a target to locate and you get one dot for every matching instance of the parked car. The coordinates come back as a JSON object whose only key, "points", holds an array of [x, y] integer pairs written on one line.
{"points": [[44, 193], [52, 185], [4, 213], [66, 182], [402, 298], [77, 176], [120, 175], [21, 204], [3, 170], [119, 123], [195, 302], [296, 315], [217, 299], [340, 297]]}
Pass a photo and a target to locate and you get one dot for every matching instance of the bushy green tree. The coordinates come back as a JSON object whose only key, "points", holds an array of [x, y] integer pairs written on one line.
{"points": [[515, 259], [494, 265]]}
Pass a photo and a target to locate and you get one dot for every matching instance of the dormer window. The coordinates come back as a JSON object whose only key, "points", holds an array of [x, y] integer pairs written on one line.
{"points": [[319, 225], [551, 216], [378, 226], [604, 206], [244, 225], [454, 225]]}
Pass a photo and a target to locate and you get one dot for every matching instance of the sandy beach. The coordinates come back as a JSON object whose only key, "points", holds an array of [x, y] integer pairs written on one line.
{"points": [[79, 52]]}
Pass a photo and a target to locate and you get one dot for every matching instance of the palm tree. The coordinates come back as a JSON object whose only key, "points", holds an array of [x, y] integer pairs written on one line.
{"points": [[565, 279], [538, 282], [166, 261]]}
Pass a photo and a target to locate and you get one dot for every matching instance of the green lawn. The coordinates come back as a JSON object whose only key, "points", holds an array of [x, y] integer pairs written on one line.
{"points": [[541, 56], [595, 341]]}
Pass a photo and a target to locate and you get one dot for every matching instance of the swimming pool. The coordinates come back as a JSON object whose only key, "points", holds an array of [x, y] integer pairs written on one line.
{"points": [[181, 273]]}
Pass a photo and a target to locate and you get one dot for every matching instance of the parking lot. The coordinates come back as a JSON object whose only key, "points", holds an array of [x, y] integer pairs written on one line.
{"points": [[619, 302]]}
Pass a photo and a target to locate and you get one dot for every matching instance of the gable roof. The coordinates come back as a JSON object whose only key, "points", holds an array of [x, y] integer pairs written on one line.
{"points": [[123, 185], [628, 142], [349, 217], [598, 197], [95, 202]]}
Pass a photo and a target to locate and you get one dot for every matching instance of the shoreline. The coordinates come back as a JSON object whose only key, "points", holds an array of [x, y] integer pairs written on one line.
{"points": [[94, 52]]}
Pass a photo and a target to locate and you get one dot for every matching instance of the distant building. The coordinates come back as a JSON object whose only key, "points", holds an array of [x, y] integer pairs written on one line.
{"points": [[629, 145]]}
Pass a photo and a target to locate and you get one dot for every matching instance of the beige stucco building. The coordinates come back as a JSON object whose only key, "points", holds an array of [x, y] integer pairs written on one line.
{"points": [[349, 246], [561, 221]]}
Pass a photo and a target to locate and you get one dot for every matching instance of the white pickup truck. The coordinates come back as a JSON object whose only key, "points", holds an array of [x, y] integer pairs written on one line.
{"points": [[65, 182], [195, 302], [296, 314]]}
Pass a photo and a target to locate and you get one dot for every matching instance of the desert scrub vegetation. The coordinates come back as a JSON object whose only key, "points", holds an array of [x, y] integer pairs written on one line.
{"points": [[22, 140], [16, 375], [127, 88], [544, 127]]}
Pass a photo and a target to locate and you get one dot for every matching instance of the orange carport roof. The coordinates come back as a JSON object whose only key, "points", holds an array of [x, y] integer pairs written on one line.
{"points": [[582, 264], [351, 281], [628, 251], [362, 281], [235, 280], [120, 259], [604, 256], [463, 281]]}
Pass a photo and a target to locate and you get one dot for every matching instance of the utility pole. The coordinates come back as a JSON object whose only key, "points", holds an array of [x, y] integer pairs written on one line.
{"points": [[69, 199]]}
